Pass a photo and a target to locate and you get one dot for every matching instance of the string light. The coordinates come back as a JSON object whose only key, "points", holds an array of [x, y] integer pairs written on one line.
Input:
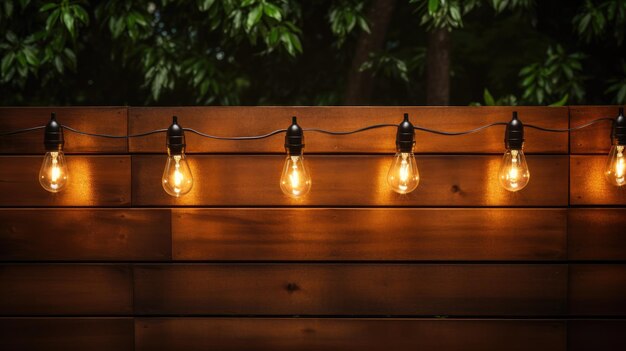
{"points": [[514, 174], [295, 180], [616, 166], [53, 172], [403, 176], [177, 179]]}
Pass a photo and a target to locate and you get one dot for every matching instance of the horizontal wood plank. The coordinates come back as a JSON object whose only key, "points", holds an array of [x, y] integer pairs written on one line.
{"points": [[589, 186], [92, 181], [597, 234], [595, 139], [369, 234], [103, 120], [243, 121], [67, 334], [230, 334], [352, 181], [597, 289], [84, 234], [65, 289], [350, 289], [593, 335]]}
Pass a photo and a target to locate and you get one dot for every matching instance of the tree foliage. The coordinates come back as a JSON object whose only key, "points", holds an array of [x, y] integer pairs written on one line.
{"points": [[292, 52]]}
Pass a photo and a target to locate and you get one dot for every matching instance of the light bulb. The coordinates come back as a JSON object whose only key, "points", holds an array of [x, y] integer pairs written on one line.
{"points": [[295, 180], [615, 170], [53, 171], [177, 179], [403, 176], [514, 174]]}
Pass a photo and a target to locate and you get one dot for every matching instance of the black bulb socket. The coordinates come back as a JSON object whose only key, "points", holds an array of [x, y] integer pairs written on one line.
{"points": [[405, 137], [514, 134], [175, 138], [619, 128], [53, 135], [294, 138]]}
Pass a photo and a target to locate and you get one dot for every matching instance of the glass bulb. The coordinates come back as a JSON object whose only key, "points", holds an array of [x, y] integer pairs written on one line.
{"points": [[177, 179], [53, 172], [403, 176], [616, 166], [514, 174], [295, 180]]}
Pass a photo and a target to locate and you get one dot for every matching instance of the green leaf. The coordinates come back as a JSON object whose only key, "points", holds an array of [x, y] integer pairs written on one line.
{"points": [[47, 7], [58, 63], [561, 102], [489, 100], [273, 11], [205, 4], [31, 58], [52, 19], [433, 6], [254, 16], [68, 19], [455, 13], [7, 61]]}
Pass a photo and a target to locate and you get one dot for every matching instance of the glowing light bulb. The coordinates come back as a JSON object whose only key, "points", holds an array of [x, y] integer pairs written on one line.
{"points": [[403, 176], [53, 171], [177, 179], [615, 170], [295, 180], [514, 174]]}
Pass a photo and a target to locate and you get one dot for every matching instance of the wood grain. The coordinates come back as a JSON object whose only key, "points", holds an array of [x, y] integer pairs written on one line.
{"points": [[240, 121], [84, 234], [352, 181], [104, 120], [92, 181], [369, 234], [351, 289], [597, 234], [65, 289], [67, 334], [234, 334], [588, 185], [595, 139], [591, 335], [597, 290]]}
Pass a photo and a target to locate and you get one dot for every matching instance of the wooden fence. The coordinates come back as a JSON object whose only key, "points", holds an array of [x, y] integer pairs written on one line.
{"points": [[114, 263]]}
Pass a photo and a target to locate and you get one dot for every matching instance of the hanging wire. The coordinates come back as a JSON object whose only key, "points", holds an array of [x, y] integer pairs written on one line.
{"points": [[115, 136], [324, 131], [316, 130], [570, 129], [19, 131], [440, 132], [252, 137]]}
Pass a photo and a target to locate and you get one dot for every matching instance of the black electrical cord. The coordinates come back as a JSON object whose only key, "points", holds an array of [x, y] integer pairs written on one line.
{"points": [[252, 137], [316, 130], [115, 136], [19, 131], [570, 129], [434, 131], [324, 131]]}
